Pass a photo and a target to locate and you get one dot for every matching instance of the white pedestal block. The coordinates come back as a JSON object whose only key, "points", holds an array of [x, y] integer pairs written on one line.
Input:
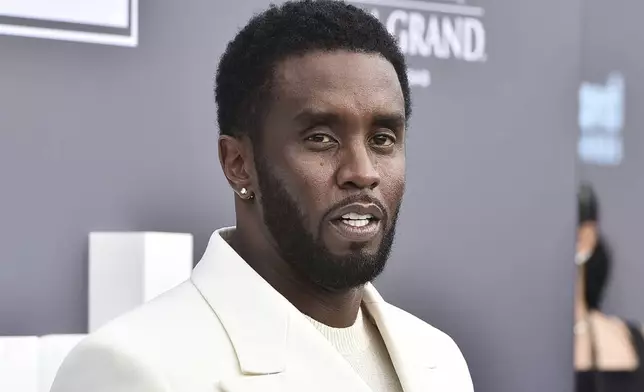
{"points": [[127, 269], [19, 364], [52, 352]]}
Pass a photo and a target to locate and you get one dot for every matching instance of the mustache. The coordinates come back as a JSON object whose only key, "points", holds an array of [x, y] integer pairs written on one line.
{"points": [[359, 198]]}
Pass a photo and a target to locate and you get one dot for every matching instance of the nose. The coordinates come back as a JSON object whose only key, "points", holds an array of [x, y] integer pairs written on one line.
{"points": [[357, 169]]}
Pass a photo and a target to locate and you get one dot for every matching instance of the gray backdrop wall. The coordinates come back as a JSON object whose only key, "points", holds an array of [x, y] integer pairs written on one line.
{"points": [[611, 35], [105, 138]]}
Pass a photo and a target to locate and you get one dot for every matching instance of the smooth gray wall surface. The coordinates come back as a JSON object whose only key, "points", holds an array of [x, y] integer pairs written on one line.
{"points": [[104, 138], [612, 37]]}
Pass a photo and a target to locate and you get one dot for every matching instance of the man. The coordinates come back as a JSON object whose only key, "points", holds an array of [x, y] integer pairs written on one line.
{"points": [[313, 103]]}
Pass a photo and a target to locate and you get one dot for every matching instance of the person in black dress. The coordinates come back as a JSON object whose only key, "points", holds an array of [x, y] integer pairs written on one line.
{"points": [[608, 350]]}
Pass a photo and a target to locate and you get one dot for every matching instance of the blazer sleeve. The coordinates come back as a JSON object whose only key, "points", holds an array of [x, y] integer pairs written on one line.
{"points": [[94, 367]]}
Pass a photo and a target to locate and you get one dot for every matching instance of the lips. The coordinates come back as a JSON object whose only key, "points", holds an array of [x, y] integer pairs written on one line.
{"points": [[358, 211], [357, 222]]}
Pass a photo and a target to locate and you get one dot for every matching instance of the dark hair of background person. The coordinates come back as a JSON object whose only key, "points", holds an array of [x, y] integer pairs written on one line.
{"points": [[246, 69], [597, 267]]}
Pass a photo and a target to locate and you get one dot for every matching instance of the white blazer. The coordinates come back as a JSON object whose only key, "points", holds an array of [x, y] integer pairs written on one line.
{"points": [[228, 330]]}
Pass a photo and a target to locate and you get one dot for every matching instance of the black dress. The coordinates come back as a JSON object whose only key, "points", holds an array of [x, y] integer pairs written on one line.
{"points": [[594, 381]]}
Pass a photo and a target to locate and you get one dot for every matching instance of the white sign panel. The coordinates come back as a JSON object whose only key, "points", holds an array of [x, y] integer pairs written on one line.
{"points": [[601, 121], [111, 22]]}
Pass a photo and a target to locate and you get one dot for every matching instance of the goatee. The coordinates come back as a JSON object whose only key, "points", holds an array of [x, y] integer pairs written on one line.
{"points": [[307, 255]]}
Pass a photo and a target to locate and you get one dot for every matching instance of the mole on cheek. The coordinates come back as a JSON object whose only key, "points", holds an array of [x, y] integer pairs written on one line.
{"points": [[321, 163]]}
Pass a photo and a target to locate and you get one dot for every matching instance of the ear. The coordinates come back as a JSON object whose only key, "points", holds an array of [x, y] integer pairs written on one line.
{"points": [[236, 159]]}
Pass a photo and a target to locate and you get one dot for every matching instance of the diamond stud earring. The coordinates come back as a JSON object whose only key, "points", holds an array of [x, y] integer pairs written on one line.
{"points": [[245, 194]]}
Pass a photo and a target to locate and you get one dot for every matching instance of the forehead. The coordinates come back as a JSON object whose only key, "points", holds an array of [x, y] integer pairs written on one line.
{"points": [[360, 82]]}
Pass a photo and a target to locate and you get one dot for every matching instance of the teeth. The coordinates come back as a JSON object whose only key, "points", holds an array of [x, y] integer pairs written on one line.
{"points": [[355, 216], [356, 222]]}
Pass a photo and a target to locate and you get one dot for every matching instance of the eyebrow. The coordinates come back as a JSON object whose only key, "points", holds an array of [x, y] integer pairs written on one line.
{"points": [[392, 120], [317, 116]]}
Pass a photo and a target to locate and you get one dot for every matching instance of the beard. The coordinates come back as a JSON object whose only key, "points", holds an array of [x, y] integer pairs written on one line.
{"points": [[308, 255]]}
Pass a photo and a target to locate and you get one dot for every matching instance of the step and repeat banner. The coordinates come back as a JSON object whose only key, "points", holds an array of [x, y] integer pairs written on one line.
{"points": [[113, 22], [484, 245], [425, 30]]}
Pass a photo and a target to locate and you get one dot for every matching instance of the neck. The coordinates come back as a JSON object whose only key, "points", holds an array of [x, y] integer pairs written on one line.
{"points": [[336, 309]]}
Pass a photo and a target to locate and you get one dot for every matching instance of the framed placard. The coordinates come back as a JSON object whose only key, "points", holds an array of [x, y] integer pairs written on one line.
{"points": [[109, 22]]}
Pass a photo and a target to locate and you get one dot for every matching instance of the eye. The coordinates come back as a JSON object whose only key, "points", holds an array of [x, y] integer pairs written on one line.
{"points": [[383, 140], [320, 138]]}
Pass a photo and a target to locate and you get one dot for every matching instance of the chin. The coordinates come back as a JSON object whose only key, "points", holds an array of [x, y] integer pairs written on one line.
{"points": [[354, 249], [341, 246]]}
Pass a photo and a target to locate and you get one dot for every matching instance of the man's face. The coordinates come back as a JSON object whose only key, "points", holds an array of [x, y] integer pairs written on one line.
{"points": [[331, 165]]}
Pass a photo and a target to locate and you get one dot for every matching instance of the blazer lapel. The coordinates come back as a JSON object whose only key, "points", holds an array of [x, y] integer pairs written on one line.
{"points": [[278, 349], [416, 363], [313, 365]]}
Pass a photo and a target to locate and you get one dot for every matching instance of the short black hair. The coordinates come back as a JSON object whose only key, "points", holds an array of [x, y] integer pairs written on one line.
{"points": [[245, 72], [587, 205]]}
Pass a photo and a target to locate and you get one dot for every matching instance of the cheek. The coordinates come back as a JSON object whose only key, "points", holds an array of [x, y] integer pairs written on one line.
{"points": [[585, 240], [392, 183], [312, 179]]}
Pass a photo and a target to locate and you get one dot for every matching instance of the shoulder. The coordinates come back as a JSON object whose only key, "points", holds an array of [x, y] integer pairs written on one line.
{"points": [[95, 366], [172, 314], [165, 336]]}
